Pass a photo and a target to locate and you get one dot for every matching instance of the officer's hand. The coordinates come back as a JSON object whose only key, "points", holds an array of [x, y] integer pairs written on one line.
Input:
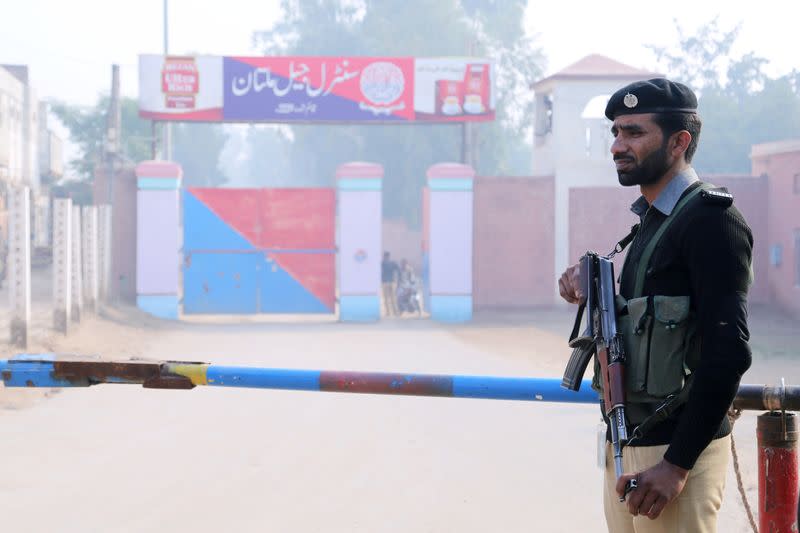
{"points": [[657, 487], [569, 285]]}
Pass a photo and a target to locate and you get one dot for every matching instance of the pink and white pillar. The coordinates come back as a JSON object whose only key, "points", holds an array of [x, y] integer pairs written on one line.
{"points": [[449, 239], [158, 225], [359, 239]]}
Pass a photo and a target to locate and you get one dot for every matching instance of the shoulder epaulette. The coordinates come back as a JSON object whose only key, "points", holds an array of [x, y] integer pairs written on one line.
{"points": [[719, 196]]}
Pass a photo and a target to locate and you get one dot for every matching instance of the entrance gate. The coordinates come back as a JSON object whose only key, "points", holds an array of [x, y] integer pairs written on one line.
{"points": [[252, 251]]}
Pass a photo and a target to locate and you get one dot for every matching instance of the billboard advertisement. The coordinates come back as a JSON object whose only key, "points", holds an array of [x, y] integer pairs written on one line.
{"points": [[315, 89], [180, 88]]}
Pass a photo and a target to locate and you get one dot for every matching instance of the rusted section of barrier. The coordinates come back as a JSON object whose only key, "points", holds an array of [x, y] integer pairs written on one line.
{"points": [[47, 370], [381, 383]]}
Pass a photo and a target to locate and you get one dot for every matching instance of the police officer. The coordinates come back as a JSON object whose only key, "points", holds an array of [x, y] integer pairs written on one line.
{"points": [[684, 323]]}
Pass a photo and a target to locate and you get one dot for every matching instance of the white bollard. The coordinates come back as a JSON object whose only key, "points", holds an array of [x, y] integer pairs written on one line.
{"points": [[41, 218], [19, 264], [90, 269], [104, 251], [62, 264], [77, 265]]}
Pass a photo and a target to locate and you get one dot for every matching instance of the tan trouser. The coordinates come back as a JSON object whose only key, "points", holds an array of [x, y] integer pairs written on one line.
{"points": [[389, 298], [696, 507]]}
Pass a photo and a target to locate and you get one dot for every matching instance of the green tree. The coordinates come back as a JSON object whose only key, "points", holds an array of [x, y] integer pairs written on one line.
{"points": [[417, 28], [87, 128], [739, 104], [195, 146]]}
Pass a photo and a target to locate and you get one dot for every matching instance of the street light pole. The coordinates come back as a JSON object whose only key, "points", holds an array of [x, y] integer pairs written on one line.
{"points": [[167, 126]]}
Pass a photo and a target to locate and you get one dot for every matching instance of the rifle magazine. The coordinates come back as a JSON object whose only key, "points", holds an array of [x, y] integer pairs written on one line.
{"points": [[576, 366]]}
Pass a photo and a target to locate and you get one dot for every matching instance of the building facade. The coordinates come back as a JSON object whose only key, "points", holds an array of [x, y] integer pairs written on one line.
{"points": [[573, 202], [30, 153], [29, 150], [571, 134], [779, 164]]}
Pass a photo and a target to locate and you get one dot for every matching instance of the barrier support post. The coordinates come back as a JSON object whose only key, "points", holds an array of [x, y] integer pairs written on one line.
{"points": [[777, 472]]}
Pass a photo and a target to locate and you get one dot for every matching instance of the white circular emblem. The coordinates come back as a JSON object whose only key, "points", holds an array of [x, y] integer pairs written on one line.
{"points": [[382, 83], [630, 101]]}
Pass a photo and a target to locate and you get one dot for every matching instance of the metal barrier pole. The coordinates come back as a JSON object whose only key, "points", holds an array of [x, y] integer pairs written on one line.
{"points": [[777, 430], [51, 370], [777, 472], [48, 370]]}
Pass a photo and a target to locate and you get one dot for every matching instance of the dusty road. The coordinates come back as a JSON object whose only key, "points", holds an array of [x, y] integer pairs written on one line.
{"points": [[121, 458]]}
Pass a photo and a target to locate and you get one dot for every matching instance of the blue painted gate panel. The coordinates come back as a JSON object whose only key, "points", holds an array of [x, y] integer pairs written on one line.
{"points": [[204, 230], [281, 293], [221, 283]]}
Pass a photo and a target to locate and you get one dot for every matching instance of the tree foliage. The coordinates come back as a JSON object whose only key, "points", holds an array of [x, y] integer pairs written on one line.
{"points": [[87, 128], [195, 146], [739, 104], [418, 28]]}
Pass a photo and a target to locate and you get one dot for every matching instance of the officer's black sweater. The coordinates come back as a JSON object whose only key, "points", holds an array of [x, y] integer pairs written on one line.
{"points": [[705, 253]]}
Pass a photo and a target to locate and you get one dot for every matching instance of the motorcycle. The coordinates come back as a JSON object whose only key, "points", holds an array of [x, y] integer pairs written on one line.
{"points": [[409, 299]]}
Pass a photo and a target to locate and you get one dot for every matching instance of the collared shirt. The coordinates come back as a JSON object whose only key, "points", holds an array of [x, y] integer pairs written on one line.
{"points": [[669, 197], [650, 220]]}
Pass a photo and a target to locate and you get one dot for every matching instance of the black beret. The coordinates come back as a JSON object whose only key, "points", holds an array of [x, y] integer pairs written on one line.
{"points": [[658, 95]]}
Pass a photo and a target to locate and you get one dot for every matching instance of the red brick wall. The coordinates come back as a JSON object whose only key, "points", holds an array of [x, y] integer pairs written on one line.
{"points": [[598, 218], [513, 242], [784, 220], [123, 261]]}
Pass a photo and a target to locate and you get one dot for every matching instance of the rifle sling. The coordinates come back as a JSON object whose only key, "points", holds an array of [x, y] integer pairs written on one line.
{"points": [[663, 411], [626, 240], [577, 326]]}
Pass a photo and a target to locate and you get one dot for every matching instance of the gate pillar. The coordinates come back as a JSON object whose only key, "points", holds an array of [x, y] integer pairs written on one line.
{"points": [[449, 240], [359, 241], [157, 243]]}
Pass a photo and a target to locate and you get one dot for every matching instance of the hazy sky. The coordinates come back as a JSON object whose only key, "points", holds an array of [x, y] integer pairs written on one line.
{"points": [[70, 45]]}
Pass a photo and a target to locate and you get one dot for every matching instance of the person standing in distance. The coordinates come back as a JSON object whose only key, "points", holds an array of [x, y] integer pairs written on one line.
{"points": [[684, 323], [389, 274]]}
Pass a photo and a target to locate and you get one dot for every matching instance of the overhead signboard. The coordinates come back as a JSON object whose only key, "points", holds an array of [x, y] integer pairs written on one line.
{"points": [[315, 89]]}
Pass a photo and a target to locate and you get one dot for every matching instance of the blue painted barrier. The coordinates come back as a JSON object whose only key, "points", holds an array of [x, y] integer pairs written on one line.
{"points": [[50, 370]]}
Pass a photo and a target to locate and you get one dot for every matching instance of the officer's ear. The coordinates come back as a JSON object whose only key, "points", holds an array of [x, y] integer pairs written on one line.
{"points": [[679, 142]]}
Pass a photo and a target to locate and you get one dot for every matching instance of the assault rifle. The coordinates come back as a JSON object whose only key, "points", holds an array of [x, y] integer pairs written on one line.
{"points": [[602, 340]]}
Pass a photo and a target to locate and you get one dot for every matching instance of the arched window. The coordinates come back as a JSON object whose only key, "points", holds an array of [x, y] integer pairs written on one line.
{"points": [[597, 126]]}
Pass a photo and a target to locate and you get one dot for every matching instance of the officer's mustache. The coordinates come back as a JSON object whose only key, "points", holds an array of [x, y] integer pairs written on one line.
{"points": [[623, 158]]}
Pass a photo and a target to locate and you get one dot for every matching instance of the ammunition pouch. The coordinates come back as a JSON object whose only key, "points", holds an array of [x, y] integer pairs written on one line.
{"points": [[661, 350]]}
